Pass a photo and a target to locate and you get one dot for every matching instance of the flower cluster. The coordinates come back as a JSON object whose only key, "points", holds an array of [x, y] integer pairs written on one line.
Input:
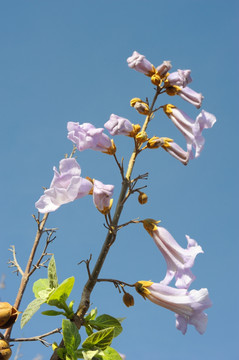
{"points": [[187, 305], [68, 185], [175, 83]]}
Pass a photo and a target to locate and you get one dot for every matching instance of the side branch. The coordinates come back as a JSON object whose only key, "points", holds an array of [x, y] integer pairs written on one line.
{"points": [[26, 275]]}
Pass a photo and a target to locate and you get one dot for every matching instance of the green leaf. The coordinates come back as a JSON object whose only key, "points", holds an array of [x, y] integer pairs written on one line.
{"points": [[61, 293], [101, 339], [111, 354], [44, 294], [88, 355], [91, 315], [71, 336], [52, 313], [39, 285], [31, 310], [105, 321], [52, 276], [88, 329], [61, 353], [121, 319]]}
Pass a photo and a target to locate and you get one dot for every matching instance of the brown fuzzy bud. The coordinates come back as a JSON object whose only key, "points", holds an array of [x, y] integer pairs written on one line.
{"points": [[142, 198], [8, 315], [128, 299], [5, 350]]}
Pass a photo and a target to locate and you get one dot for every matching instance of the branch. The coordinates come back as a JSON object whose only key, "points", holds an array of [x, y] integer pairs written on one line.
{"points": [[26, 275], [37, 338], [14, 263]]}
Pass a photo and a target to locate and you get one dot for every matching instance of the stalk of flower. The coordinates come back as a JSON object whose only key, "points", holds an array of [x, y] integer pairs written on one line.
{"points": [[86, 136], [102, 196], [179, 260], [191, 130], [67, 185], [117, 125], [188, 306]]}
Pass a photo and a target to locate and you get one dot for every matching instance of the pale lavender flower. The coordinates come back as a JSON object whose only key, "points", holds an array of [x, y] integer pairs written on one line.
{"points": [[102, 196], [204, 120], [179, 260], [164, 68], [191, 130], [188, 306], [67, 185], [117, 125], [86, 136], [175, 150], [191, 96], [139, 63], [123, 357], [180, 78]]}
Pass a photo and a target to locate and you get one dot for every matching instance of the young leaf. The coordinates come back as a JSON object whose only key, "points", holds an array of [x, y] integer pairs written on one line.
{"points": [[39, 285], [31, 310], [44, 294], [105, 321], [88, 355], [91, 315], [71, 336], [52, 313], [101, 339], [52, 276], [61, 293], [111, 354], [61, 353]]}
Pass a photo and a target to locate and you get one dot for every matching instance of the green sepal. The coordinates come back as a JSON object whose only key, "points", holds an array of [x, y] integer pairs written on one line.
{"points": [[52, 276], [31, 310], [101, 339], [71, 337], [52, 313], [59, 296], [105, 321]]}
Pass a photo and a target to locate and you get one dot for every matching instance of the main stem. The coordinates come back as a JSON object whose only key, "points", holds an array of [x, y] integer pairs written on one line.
{"points": [[110, 237]]}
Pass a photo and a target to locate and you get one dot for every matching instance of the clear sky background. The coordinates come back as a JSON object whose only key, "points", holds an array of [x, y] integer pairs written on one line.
{"points": [[66, 61]]}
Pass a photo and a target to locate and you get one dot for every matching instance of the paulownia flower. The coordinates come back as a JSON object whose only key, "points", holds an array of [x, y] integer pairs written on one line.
{"points": [[117, 125], [175, 150], [102, 196], [163, 68], [188, 306], [179, 260], [191, 96], [67, 185], [139, 63], [191, 130], [179, 78], [86, 136]]}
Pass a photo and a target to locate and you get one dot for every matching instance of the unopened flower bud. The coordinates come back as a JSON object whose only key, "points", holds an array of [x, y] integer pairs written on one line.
{"points": [[5, 350], [128, 299], [135, 131], [139, 105], [142, 198], [141, 137], [156, 79], [8, 315]]}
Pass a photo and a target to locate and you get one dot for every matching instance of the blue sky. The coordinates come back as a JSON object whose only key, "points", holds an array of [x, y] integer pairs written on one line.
{"points": [[66, 61]]}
